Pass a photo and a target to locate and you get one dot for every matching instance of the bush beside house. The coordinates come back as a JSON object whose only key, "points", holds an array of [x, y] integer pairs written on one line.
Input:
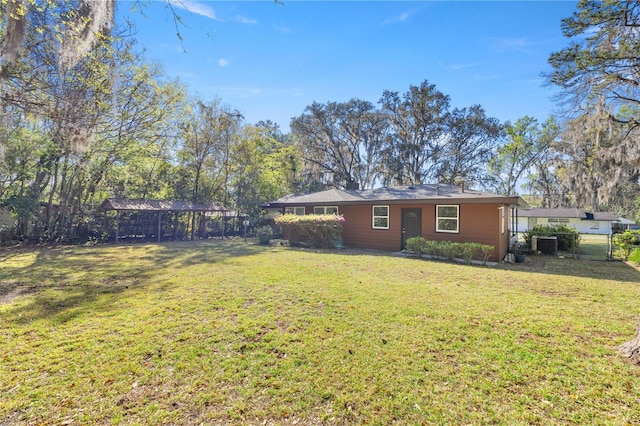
{"points": [[319, 231], [565, 235], [450, 250]]}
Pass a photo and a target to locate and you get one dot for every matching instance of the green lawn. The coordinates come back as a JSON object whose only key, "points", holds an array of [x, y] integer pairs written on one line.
{"points": [[236, 333], [594, 247]]}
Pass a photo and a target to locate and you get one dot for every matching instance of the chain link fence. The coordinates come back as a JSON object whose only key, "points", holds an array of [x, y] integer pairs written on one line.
{"points": [[585, 246], [596, 247]]}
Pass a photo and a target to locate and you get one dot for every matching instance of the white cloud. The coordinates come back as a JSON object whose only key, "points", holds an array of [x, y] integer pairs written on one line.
{"points": [[513, 44], [223, 62], [487, 77], [284, 30], [395, 19], [459, 66], [195, 7], [245, 20]]}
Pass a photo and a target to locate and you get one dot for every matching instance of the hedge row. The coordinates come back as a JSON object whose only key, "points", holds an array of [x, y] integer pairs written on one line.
{"points": [[317, 230], [450, 250]]}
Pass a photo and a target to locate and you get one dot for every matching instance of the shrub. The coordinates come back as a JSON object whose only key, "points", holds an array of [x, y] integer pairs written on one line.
{"points": [[563, 233], [320, 231], [627, 242], [417, 245], [450, 250], [470, 251], [486, 250], [635, 256], [265, 233]]}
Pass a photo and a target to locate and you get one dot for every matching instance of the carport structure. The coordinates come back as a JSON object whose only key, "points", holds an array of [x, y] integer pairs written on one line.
{"points": [[161, 219]]}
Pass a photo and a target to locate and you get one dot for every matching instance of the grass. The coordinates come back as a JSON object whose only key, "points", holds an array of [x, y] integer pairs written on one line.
{"points": [[236, 333], [594, 247]]}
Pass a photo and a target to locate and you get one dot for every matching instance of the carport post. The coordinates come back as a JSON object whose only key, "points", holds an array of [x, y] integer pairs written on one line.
{"points": [[117, 225], [159, 224]]}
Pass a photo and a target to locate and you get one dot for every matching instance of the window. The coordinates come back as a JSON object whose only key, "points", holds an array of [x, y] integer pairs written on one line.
{"points": [[558, 220], [299, 211], [595, 225], [325, 210], [503, 220], [447, 218], [380, 217]]}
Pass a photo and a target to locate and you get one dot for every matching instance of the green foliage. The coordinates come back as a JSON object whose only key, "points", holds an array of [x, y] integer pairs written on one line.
{"points": [[341, 137], [635, 256], [264, 233], [450, 250], [601, 50], [413, 157], [592, 73], [527, 144], [417, 244], [160, 333], [565, 235], [262, 168], [320, 231], [627, 242]]}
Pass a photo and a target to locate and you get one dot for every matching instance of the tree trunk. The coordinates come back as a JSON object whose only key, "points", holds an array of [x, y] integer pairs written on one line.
{"points": [[631, 349]]}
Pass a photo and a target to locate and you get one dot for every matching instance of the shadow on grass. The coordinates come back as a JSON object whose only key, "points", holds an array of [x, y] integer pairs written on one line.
{"points": [[580, 267], [65, 282], [584, 267]]}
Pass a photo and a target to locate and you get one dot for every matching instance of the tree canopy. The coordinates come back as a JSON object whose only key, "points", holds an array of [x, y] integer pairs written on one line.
{"points": [[83, 117], [599, 77]]}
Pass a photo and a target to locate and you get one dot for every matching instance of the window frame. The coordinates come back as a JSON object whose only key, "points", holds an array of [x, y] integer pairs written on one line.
{"points": [[324, 209], [295, 209], [558, 220], [456, 219], [374, 217]]}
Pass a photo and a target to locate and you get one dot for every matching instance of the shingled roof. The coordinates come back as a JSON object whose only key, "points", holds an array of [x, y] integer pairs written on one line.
{"points": [[396, 194], [160, 205]]}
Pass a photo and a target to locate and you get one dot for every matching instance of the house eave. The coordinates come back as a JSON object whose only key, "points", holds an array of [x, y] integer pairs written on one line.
{"points": [[510, 201]]}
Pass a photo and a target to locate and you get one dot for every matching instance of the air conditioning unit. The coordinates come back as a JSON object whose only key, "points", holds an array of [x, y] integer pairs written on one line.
{"points": [[547, 245]]}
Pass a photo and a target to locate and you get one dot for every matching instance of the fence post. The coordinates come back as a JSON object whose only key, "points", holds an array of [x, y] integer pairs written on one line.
{"points": [[610, 242]]}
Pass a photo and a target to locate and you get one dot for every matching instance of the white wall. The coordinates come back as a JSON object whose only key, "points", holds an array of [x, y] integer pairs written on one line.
{"points": [[583, 226]]}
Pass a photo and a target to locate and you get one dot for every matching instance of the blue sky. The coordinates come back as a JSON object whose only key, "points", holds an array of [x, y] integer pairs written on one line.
{"points": [[270, 60]]}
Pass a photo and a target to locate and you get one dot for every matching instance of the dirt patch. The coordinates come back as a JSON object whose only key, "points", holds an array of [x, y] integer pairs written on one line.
{"points": [[8, 293]]}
